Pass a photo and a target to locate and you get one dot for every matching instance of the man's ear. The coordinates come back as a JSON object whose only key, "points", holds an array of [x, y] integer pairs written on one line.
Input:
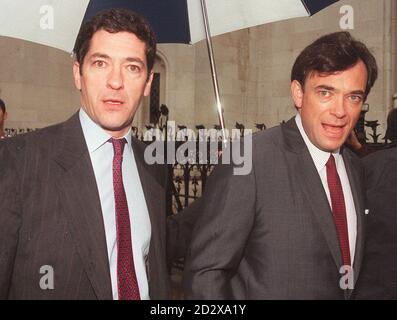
{"points": [[148, 84], [77, 75], [297, 94], [5, 115]]}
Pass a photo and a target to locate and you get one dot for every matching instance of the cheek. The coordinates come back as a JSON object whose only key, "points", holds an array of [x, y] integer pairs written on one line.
{"points": [[138, 87], [93, 90], [312, 114], [356, 114], [312, 107]]}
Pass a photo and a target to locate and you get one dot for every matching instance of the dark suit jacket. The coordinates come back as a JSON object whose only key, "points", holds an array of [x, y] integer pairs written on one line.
{"points": [[379, 272], [50, 214], [270, 234]]}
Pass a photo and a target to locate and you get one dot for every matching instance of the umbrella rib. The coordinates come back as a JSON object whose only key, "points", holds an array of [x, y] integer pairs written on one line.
{"points": [[213, 69]]}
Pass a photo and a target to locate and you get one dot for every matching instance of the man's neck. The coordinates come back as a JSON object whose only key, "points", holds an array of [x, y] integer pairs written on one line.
{"points": [[2, 132]]}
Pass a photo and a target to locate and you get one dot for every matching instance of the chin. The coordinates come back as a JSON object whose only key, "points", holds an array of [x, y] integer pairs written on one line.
{"points": [[329, 145], [333, 147]]}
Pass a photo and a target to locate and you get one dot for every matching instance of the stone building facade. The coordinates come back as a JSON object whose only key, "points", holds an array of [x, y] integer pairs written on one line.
{"points": [[253, 67]]}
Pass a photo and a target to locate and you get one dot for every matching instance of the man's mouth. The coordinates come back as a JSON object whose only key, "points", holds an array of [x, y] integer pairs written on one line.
{"points": [[113, 102], [335, 131]]}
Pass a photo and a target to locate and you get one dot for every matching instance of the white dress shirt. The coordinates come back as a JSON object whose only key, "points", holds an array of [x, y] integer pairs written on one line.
{"points": [[101, 154], [320, 159]]}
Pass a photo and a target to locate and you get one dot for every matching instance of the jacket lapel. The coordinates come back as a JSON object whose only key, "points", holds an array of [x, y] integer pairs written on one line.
{"points": [[311, 185], [80, 202], [153, 191], [355, 180]]}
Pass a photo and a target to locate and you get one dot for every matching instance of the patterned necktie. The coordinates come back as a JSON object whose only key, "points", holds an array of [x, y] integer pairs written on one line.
{"points": [[126, 278], [338, 209]]}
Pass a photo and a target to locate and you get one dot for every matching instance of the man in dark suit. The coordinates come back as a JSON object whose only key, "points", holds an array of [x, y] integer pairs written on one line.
{"points": [[293, 227], [82, 216], [379, 277]]}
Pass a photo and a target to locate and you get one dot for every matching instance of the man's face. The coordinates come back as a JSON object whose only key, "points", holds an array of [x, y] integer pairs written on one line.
{"points": [[330, 105], [113, 80]]}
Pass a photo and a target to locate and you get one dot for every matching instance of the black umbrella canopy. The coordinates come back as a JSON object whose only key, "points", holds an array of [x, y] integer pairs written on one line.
{"points": [[168, 18], [314, 6]]}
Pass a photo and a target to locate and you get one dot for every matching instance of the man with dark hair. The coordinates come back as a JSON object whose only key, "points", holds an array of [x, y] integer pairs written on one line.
{"points": [[293, 227], [3, 117], [82, 215]]}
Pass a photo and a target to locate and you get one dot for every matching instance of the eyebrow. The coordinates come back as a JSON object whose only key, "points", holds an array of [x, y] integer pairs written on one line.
{"points": [[99, 55], [325, 87], [358, 92], [132, 59], [105, 56]]}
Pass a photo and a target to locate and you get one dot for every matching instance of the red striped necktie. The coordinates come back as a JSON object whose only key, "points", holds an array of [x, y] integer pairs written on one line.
{"points": [[126, 278], [338, 209]]}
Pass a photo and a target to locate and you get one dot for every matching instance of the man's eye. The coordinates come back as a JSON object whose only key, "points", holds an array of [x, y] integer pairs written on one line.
{"points": [[99, 63], [324, 93], [356, 98], [133, 68]]}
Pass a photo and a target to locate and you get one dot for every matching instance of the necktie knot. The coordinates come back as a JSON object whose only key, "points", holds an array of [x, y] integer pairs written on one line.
{"points": [[118, 146], [331, 162]]}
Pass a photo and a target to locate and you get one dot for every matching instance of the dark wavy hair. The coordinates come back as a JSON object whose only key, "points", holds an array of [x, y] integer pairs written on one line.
{"points": [[334, 52], [113, 21]]}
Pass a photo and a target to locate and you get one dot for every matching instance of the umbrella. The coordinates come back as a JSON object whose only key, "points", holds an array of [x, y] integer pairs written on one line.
{"points": [[56, 23]]}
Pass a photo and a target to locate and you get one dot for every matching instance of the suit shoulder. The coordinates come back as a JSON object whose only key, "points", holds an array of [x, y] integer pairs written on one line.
{"points": [[42, 140], [380, 157], [268, 136], [266, 141], [380, 166], [45, 134]]}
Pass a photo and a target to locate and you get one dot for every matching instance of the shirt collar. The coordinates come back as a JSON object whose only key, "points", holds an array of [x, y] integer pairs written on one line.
{"points": [[94, 135], [319, 157]]}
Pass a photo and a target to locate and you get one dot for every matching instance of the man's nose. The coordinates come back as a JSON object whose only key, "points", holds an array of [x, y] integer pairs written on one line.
{"points": [[339, 107], [115, 78]]}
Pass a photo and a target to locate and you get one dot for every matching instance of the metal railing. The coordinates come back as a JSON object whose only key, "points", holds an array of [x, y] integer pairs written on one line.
{"points": [[187, 180]]}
